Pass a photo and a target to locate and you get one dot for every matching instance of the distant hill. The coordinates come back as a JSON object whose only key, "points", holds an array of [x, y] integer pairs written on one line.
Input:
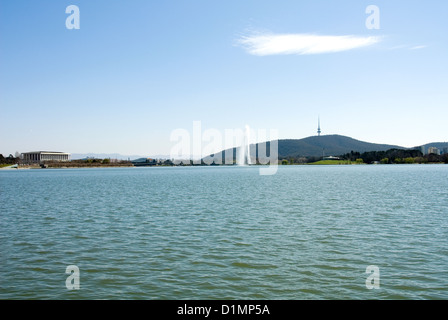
{"points": [[76, 156], [439, 145], [316, 146], [329, 144]]}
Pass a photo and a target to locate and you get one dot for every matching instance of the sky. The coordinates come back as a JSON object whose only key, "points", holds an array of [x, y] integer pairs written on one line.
{"points": [[137, 70]]}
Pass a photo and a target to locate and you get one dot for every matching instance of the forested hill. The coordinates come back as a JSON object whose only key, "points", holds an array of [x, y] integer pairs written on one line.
{"points": [[334, 145], [316, 146], [439, 145]]}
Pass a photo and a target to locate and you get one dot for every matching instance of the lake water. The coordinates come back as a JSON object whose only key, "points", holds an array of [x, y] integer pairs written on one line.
{"points": [[307, 232]]}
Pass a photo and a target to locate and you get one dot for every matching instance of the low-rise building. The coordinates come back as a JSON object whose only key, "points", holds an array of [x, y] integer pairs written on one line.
{"points": [[41, 156], [423, 149], [433, 150], [331, 158]]}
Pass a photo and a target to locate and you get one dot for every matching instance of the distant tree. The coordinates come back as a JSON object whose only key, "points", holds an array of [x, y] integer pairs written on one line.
{"points": [[354, 156], [444, 158], [359, 161], [384, 160], [433, 158], [313, 159], [8, 160], [285, 162], [391, 155], [420, 160]]}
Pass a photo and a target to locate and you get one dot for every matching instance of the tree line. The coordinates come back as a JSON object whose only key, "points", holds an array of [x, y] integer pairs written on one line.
{"points": [[395, 156], [9, 159], [390, 156]]}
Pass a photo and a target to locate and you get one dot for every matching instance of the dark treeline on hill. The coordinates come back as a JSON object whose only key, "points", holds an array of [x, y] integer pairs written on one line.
{"points": [[385, 157], [389, 156], [9, 159], [395, 156]]}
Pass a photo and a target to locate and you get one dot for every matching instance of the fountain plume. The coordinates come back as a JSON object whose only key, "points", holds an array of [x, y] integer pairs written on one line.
{"points": [[244, 151]]}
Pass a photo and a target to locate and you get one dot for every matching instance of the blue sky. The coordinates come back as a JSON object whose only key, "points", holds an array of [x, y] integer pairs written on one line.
{"points": [[138, 69]]}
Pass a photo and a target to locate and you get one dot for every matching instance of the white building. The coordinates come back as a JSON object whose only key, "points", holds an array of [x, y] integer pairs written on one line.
{"points": [[433, 150], [41, 156], [331, 158], [422, 149]]}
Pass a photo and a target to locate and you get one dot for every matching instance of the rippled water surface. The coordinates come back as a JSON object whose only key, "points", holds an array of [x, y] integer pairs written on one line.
{"points": [[308, 232]]}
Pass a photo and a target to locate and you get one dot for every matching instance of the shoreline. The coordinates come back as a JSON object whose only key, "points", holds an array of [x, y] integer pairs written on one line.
{"points": [[61, 167], [9, 168]]}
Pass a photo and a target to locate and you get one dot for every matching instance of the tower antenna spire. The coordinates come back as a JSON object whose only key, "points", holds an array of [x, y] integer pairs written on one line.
{"points": [[318, 126]]}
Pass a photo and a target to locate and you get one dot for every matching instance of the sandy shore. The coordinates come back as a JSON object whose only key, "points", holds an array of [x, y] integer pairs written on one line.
{"points": [[13, 167]]}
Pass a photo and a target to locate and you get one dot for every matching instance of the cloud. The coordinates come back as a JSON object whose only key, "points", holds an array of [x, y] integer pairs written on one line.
{"points": [[418, 47], [301, 44], [408, 47]]}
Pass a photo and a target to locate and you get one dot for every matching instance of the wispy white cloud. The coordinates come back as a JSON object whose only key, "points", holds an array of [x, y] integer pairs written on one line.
{"points": [[407, 47], [418, 47], [301, 44]]}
